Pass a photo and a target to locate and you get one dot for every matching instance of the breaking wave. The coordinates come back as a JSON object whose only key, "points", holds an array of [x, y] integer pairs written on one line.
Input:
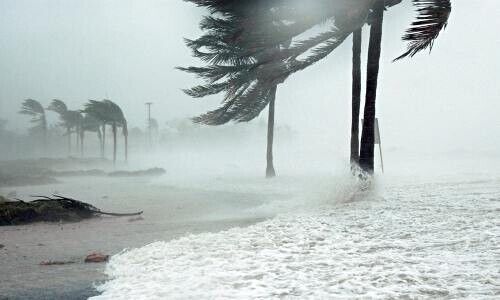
{"points": [[420, 241]]}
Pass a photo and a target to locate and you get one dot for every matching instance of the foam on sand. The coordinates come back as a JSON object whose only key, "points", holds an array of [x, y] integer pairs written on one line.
{"points": [[410, 240]]}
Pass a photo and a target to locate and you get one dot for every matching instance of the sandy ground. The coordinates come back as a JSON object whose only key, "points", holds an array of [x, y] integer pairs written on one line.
{"points": [[169, 212]]}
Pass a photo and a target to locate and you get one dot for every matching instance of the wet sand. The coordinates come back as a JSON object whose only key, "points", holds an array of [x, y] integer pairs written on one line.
{"points": [[169, 212]]}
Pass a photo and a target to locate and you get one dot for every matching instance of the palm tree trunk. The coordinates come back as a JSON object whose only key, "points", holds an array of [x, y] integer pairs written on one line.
{"points": [[99, 137], [77, 139], [103, 145], [270, 172], [114, 143], [356, 95], [82, 137], [366, 159], [126, 147], [68, 133]]}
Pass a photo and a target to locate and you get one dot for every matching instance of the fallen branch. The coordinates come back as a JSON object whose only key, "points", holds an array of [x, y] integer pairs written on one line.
{"points": [[51, 209]]}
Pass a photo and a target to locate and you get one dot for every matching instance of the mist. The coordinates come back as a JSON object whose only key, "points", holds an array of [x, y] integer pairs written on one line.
{"points": [[127, 51], [192, 213]]}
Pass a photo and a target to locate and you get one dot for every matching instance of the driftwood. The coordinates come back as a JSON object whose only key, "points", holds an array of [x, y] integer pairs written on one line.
{"points": [[50, 209]]}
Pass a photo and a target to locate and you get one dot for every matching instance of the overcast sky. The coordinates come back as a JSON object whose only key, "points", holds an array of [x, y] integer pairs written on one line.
{"points": [[126, 50]]}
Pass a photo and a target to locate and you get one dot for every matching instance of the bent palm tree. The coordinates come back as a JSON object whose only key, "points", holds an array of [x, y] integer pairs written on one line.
{"points": [[36, 111], [226, 47], [110, 113], [247, 34], [69, 119], [98, 111]]}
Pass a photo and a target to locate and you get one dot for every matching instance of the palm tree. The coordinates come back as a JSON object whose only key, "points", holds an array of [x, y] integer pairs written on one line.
{"points": [[366, 155], [225, 44], [108, 112], [36, 111], [238, 33], [71, 120], [431, 20]]}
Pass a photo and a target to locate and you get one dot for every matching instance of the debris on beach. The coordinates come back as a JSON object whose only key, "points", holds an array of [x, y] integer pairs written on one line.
{"points": [[141, 173], [50, 209], [55, 263], [96, 258], [102, 173], [140, 218]]}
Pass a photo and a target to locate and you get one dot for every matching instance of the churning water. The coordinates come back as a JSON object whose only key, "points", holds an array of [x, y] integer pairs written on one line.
{"points": [[414, 240]]}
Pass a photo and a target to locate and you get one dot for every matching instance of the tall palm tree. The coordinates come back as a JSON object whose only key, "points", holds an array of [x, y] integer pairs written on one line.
{"points": [[225, 43], [36, 111], [366, 155], [246, 33], [431, 20]]}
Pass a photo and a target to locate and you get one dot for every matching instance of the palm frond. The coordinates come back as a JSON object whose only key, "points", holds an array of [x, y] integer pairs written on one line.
{"points": [[31, 107], [432, 18]]}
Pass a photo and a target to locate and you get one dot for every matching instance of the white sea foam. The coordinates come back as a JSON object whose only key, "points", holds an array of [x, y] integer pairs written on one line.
{"points": [[412, 240]]}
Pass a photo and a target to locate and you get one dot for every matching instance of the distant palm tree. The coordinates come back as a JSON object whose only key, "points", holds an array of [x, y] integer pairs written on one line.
{"points": [[109, 113], [97, 110], [34, 109], [116, 119], [70, 119]]}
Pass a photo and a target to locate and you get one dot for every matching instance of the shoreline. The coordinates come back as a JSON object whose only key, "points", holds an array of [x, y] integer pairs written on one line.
{"points": [[169, 213]]}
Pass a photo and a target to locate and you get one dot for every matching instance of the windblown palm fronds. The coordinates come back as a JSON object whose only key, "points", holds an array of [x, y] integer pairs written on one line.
{"points": [[240, 38], [70, 119], [432, 18], [36, 111], [251, 46], [106, 112]]}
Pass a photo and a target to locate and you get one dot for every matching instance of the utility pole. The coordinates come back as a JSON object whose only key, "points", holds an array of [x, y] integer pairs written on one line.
{"points": [[148, 105]]}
